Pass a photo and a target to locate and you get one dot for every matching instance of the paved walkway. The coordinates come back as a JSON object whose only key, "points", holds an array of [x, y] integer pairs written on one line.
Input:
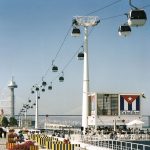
{"points": [[2, 143]]}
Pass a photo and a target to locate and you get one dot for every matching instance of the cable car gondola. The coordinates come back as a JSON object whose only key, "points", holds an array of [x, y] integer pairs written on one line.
{"points": [[54, 68], [124, 30], [37, 89], [32, 92], [43, 90], [137, 17], [75, 32], [61, 79], [49, 87], [80, 56], [44, 83]]}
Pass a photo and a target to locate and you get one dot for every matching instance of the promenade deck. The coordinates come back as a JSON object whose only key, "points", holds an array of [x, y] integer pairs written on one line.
{"points": [[2, 143]]}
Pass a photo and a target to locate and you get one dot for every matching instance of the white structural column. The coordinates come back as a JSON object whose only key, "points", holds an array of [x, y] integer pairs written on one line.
{"points": [[85, 81], [12, 101], [36, 112], [85, 21], [19, 118], [25, 115]]}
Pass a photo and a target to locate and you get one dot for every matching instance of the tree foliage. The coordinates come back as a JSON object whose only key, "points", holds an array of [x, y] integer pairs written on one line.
{"points": [[13, 121], [5, 122]]}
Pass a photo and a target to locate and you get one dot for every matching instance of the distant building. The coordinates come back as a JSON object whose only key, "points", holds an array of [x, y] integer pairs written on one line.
{"points": [[105, 109]]}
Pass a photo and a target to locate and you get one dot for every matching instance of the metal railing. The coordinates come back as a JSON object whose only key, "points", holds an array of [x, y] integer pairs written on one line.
{"points": [[117, 145], [112, 144]]}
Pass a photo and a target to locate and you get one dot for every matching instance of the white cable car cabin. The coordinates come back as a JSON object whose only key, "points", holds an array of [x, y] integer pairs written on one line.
{"points": [[44, 83], [49, 87], [54, 68], [124, 30], [75, 32], [137, 17], [43, 90], [61, 79], [32, 92], [80, 56]]}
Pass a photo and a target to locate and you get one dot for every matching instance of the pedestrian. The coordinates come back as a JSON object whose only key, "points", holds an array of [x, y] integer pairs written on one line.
{"points": [[4, 131], [1, 132], [21, 137]]}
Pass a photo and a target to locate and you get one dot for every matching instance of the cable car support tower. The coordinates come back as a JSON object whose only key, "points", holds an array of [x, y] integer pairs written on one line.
{"points": [[85, 21]]}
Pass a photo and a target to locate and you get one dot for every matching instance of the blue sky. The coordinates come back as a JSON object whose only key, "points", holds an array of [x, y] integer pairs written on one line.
{"points": [[32, 31]]}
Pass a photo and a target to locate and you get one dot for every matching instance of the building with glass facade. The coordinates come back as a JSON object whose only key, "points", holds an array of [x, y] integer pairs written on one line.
{"points": [[107, 108]]}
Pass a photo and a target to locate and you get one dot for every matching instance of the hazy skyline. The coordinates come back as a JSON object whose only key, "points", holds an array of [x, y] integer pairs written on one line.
{"points": [[32, 32]]}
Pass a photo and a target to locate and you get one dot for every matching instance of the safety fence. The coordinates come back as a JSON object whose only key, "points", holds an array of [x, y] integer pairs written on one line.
{"points": [[117, 145]]}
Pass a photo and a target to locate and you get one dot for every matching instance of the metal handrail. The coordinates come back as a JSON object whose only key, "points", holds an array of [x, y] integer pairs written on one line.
{"points": [[118, 145], [115, 144]]}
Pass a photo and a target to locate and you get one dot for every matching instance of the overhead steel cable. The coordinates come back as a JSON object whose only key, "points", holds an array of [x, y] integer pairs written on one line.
{"points": [[112, 17], [107, 18], [68, 31], [67, 64], [62, 43], [58, 51], [100, 9], [113, 3]]}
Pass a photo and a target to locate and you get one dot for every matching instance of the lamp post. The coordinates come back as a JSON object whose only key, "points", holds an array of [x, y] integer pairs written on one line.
{"points": [[22, 112], [46, 122], [26, 107], [36, 108], [85, 21], [19, 119]]}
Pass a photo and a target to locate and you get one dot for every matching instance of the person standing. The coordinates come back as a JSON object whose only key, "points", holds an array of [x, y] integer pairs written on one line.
{"points": [[1, 131]]}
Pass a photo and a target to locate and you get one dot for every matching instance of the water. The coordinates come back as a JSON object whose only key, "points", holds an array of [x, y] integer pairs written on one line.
{"points": [[66, 120]]}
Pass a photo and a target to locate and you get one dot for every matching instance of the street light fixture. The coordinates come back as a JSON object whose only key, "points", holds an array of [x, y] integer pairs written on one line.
{"points": [[85, 21]]}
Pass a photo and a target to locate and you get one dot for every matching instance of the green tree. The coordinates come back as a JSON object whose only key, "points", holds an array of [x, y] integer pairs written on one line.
{"points": [[5, 121], [13, 121]]}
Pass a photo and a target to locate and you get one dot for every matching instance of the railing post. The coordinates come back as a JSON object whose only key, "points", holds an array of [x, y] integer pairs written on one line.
{"points": [[112, 144], [120, 144], [143, 147], [131, 145]]}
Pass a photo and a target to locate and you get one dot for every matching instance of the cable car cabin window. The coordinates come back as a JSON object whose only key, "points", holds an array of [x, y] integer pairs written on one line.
{"points": [[124, 28], [76, 31], [107, 104], [81, 56], [50, 87], [61, 79], [55, 69], [138, 14]]}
